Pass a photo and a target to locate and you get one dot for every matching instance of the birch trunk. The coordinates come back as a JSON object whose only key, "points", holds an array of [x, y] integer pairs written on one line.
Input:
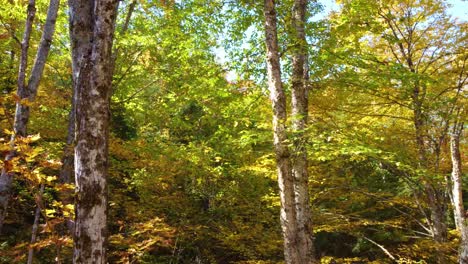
{"points": [[278, 100], [457, 191], [300, 102], [93, 89], [27, 92]]}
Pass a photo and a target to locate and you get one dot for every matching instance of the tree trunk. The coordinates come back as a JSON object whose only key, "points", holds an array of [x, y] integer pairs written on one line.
{"points": [[435, 198], [27, 93], [278, 99], [305, 246], [457, 191], [6, 177], [93, 72], [82, 43], [80, 25], [37, 216], [67, 169]]}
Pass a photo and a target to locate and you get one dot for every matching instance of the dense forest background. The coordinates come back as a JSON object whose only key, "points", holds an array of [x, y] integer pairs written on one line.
{"points": [[192, 176]]}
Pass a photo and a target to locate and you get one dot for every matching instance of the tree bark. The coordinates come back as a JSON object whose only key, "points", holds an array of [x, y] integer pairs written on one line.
{"points": [[457, 191], [81, 37], [93, 72], [278, 100], [300, 102], [66, 171], [82, 43], [435, 197], [37, 216], [27, 93]]}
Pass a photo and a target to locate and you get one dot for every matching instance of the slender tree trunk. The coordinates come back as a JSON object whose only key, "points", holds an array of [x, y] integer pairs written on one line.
{"points": [[27, 92], [435, 197], [94, 75], [6, 177], [67, 169], [131, 8], [43, 50], [300, 102], [457, 191], [278, 99], [437, 210], [66, 176], [35, 227]]}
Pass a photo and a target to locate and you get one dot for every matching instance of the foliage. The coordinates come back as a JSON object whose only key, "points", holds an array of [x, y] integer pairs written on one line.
{"points": [[192, 175]]}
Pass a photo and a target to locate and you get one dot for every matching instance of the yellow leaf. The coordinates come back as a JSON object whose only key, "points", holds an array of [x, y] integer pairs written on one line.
{"points": [[50, 212], [51, 178], [35, 137]]}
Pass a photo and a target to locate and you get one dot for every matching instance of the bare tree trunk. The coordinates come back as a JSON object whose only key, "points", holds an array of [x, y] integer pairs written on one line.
{"points": [[457, 191], [300, 102], [278, 99], [94, 75], [28, 92], [35, 227]]}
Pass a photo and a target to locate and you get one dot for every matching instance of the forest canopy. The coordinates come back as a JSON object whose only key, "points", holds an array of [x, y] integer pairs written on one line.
{"points": [[210, 131]]}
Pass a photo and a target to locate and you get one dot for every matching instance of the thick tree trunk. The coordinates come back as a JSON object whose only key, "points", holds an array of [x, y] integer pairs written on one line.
{"points": [[457, 192], [81, 44], [305, 246], [278, 99], [28, 92], [93, 86], [80, 25]]}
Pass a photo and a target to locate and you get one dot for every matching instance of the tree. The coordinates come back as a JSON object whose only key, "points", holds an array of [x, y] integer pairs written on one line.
{"points": [[457, 190], [66, 172], [292, 167], [300, 113], [283, 162], [27, 92], [412, 43], [91, 34]]}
